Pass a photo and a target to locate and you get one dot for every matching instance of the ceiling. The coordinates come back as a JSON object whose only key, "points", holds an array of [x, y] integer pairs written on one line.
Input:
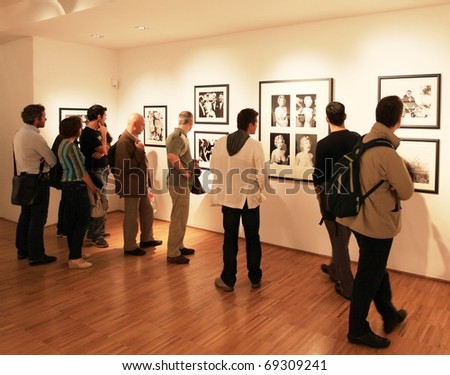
{"points": [[115, 22]]}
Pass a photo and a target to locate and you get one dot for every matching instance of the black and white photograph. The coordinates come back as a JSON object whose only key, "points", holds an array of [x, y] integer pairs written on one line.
{"points": [[305, 110], [422, 161], [420, 95], [80, 112], [288, 116], [280, 148], [281, 110], [155, 130], [204, 145], [211, 104]]}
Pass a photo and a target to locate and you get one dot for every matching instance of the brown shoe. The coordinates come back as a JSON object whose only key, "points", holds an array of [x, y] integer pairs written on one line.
{"points": [[186, 251], [219, 283], [180, 259]]}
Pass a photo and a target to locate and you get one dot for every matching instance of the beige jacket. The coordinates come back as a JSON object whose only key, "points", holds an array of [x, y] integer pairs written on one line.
{"points": [[380, 215]]}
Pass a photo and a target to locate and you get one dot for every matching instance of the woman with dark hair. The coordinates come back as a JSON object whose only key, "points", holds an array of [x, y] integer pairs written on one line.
{"points": [[75, 183]]}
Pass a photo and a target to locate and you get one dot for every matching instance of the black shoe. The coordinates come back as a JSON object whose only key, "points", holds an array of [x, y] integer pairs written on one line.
{"points": [[186, 251], [338, 289], [136, 252], [43, 260], [21, 256], [151, 243], [256, 285], [369, 339], [180, 259], [389, 325], [325, 268]]}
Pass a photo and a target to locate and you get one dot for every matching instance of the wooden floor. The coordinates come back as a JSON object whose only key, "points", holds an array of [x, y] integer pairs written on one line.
{"points": [[142, 305]]}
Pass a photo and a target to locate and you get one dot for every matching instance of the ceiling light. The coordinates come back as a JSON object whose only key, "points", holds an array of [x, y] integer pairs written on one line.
{"points": [[97, 36], [141, 27]]}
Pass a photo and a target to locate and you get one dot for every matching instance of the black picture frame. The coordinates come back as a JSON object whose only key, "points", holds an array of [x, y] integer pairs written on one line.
{"points": [[204, 142], [421, 96], [295, 111], [80, 112], [155, 129], [422, 159], [211, 104]]}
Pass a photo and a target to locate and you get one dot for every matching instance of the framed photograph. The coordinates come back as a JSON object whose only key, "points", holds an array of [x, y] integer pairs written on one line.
{"points": [[155, 130], [291, 122], [421, 96], [211, 104], [422, 160], [203, 146], [80, 112]]}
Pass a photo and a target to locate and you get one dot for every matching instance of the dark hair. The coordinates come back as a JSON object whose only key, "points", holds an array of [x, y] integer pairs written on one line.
{"points": [[336, 113], [70, 126], [389, 110], [246, 117], [94, 111], [31, 112]]}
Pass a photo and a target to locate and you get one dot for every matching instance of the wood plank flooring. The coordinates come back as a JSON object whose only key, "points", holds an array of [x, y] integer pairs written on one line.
{"points": [[142, 305]]}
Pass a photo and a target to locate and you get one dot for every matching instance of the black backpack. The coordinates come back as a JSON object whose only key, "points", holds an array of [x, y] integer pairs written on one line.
{"points": [[341, 195], [56, 171], [112, 156]]}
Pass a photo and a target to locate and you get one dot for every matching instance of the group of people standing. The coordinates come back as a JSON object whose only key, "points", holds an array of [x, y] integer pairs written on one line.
{"points": [[374, 227]]}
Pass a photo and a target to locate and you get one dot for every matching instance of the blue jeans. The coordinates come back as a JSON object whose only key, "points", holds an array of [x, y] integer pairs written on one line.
{"points": [[77, 214], [250, 222], [30, 226]]}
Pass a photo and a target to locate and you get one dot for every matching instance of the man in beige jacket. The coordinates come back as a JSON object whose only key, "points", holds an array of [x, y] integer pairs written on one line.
{"points": [[375, 226]]}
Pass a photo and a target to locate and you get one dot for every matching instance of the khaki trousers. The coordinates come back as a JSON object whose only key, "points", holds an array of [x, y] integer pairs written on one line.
{"points": [[138, 210], [178, 219]]}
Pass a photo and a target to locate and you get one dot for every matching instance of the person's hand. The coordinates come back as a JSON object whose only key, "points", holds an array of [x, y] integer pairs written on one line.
{"points": [[98, 155], [103, 131], [140, 145]]}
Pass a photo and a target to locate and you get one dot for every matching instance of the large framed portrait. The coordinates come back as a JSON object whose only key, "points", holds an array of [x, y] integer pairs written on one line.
{"points": [[211, 104], [421, 96], [155, 130], [80, 112], [204, 145], [422, 160], [291, 122]]}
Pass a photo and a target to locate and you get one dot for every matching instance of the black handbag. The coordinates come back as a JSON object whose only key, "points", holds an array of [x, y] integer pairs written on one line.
{"points": [[25, 187], [197, 187]]}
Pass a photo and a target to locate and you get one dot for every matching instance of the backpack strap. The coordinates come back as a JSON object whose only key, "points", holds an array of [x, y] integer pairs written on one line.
{"points": [[365, 146]]}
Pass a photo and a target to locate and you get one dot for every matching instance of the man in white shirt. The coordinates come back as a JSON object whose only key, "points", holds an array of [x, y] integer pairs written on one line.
{"points": [[238, 165], [31, 151]]}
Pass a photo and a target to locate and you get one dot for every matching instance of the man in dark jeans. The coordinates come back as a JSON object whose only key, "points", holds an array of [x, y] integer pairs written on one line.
{"points": [[31, 152], [238, 165]]}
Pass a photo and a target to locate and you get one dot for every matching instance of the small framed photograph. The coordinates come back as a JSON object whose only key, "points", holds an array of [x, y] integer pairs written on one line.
{"points": [[421, 96], [211, 104], [291, 122], [155, 130], [203, 146], [80, 112], [422, 160]]}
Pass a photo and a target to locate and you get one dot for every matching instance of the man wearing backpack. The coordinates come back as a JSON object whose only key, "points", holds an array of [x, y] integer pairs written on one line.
{"points": [[375, 226], [329, 150]]}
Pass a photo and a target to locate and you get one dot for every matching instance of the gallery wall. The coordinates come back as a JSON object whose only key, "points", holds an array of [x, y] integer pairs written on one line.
{"points": [[352, 51]]}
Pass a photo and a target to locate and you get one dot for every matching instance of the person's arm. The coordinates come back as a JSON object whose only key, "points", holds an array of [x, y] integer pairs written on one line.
{"points": [[42, 149], [399, 177], [176, 163]]}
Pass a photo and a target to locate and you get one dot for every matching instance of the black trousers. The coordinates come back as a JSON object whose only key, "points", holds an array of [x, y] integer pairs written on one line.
{"points": [[250, 222], [371, 284]]}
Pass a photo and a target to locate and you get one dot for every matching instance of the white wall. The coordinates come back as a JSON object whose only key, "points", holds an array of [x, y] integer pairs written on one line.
{"points": [[59, 75], [354, 52]]}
